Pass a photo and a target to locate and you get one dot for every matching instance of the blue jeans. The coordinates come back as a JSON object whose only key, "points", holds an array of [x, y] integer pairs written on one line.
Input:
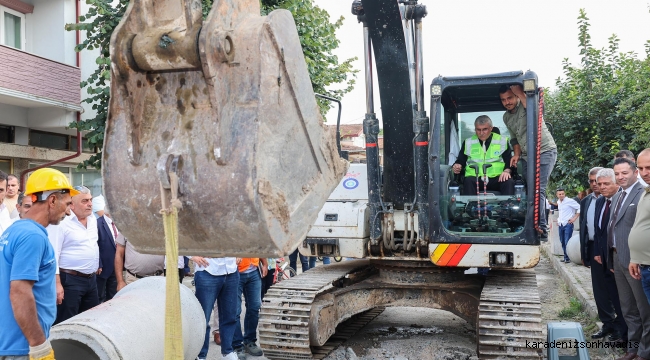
{"points": [[566, 231], [547, 161], [250, 284], [223, 289], [645, 280], [326, 260], [293, 259]]}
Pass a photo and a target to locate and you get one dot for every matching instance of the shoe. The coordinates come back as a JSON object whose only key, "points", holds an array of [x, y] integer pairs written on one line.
{"points": [[200, 358], [628, 356], [231, 356], [602, 333], [217, 338], [614, 336], [241, 353], [544, 235], [253, 349]]}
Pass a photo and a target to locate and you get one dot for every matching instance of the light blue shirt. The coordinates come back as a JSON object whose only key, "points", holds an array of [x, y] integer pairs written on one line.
{"points": [[26, 254], [219, 266], [591, 214]]}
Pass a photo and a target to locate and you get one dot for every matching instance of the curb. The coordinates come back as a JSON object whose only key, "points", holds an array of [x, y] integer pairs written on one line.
{"points": [[587, 301]]}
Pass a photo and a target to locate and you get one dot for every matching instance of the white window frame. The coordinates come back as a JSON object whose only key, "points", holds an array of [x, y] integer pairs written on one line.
{"points": [[23, 39]]}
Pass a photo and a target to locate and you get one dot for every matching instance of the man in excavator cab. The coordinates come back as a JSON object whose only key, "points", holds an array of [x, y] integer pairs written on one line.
{"points": [[513, 99], [489, 152]]}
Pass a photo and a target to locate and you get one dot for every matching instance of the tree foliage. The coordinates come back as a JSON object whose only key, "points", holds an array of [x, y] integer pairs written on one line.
{"points": [[99, 23], [317, 37], [599, 108]]}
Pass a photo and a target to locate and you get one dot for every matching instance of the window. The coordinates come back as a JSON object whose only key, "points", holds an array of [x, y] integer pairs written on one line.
{"points": [[7, 134], [49, 140], [56, 141], [12, 28], [6, 165]]}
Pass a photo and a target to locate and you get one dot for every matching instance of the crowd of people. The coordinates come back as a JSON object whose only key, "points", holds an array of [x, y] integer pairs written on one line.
{"points": [[67, 256], [614, 223]]}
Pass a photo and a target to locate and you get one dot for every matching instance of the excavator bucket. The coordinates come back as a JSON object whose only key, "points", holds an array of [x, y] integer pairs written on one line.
{"points": [[226, 106]]}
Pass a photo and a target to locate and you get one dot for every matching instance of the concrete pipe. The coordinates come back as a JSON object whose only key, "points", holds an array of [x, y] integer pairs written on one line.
{"points": [[131, 326], [573, 249]]}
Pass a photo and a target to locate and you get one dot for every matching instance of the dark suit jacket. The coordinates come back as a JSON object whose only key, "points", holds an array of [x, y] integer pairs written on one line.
{"points": [[624, 223], [600, 235], [106, 248], [584, 233]]}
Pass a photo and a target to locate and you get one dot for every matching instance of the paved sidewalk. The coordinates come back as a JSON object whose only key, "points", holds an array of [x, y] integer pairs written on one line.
{"points": [[577, 278]]}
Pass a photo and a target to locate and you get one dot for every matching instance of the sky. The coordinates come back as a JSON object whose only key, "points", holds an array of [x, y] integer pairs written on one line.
{"points": [[473, 37]]}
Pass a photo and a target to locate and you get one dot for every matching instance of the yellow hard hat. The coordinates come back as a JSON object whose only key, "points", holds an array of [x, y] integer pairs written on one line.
{"points": [[48, 180]]}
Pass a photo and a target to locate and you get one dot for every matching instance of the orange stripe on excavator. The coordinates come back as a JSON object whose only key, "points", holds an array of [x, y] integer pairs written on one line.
{"points": [[449, 253], [458, 256]]}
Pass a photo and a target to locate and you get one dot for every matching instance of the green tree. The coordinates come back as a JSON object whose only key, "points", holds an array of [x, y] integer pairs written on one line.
{"points": [[99, 23], [590, 110], [317, 37]]}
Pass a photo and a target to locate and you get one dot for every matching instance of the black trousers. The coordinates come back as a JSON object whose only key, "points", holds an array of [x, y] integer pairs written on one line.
{"points": [[505, 188], [267, 281], [106, 287], [79, 295], [181, 274], [606, 294]]}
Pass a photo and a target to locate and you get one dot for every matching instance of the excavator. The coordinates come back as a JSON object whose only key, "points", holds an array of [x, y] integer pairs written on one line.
{"points": [[218, 117]]}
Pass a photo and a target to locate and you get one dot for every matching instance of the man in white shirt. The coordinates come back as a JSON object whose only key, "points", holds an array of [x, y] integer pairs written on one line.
{"points": [[569, 212], [77, 255], [5, 219], [11, 199], [217, 279]]}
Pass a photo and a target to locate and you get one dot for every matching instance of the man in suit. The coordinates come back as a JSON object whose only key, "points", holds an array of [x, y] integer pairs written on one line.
{"points": [[587, 211], [602, 280], [635, 307], [639, 250], [106, 236]]}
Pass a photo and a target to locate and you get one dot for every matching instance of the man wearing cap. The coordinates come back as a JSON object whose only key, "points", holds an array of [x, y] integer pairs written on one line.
{"points": [[77, 254], [27, 268], [106, 236]]}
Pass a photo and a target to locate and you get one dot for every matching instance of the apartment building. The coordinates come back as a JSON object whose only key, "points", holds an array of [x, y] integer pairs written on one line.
{"points": [[39, 88]]}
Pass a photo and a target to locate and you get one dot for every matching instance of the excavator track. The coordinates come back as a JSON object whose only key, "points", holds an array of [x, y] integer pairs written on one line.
{"points": [[286, 310], [510, 314]]}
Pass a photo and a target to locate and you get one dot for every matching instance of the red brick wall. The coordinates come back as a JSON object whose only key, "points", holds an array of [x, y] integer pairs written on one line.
{"points": [[24, 72]]}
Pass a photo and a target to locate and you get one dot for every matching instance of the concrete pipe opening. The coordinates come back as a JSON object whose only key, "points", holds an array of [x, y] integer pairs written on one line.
{"points": [[73, 349], [130, 326]]}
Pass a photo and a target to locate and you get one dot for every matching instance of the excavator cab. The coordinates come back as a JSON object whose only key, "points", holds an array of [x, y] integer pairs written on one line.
{"points": [[490, 214], [488, 217]]}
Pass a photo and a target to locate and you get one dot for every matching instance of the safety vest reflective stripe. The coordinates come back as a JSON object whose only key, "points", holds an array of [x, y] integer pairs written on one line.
{"points": [[476, 155]]}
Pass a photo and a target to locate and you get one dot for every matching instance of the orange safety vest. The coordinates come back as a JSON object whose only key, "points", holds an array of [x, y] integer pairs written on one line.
{"points": [[246, 263]]}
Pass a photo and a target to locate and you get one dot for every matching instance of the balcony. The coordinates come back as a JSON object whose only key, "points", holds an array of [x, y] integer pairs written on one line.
{"points": [[32, 81]]}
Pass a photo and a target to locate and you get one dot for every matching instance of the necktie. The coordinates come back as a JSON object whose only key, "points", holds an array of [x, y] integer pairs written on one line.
{"points": [[605, 218], [610, 230], [114, 229]]}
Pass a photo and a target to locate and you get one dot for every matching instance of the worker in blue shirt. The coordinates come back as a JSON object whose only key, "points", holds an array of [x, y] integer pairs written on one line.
{"points": [[27, 268]]}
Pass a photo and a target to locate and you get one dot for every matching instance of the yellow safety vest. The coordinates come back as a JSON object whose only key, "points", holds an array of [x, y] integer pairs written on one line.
{"points": [[476, 155]]}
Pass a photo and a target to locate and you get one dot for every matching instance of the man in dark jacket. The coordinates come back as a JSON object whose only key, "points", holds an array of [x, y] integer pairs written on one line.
{"points": [[106, 235], [602, 280]]}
